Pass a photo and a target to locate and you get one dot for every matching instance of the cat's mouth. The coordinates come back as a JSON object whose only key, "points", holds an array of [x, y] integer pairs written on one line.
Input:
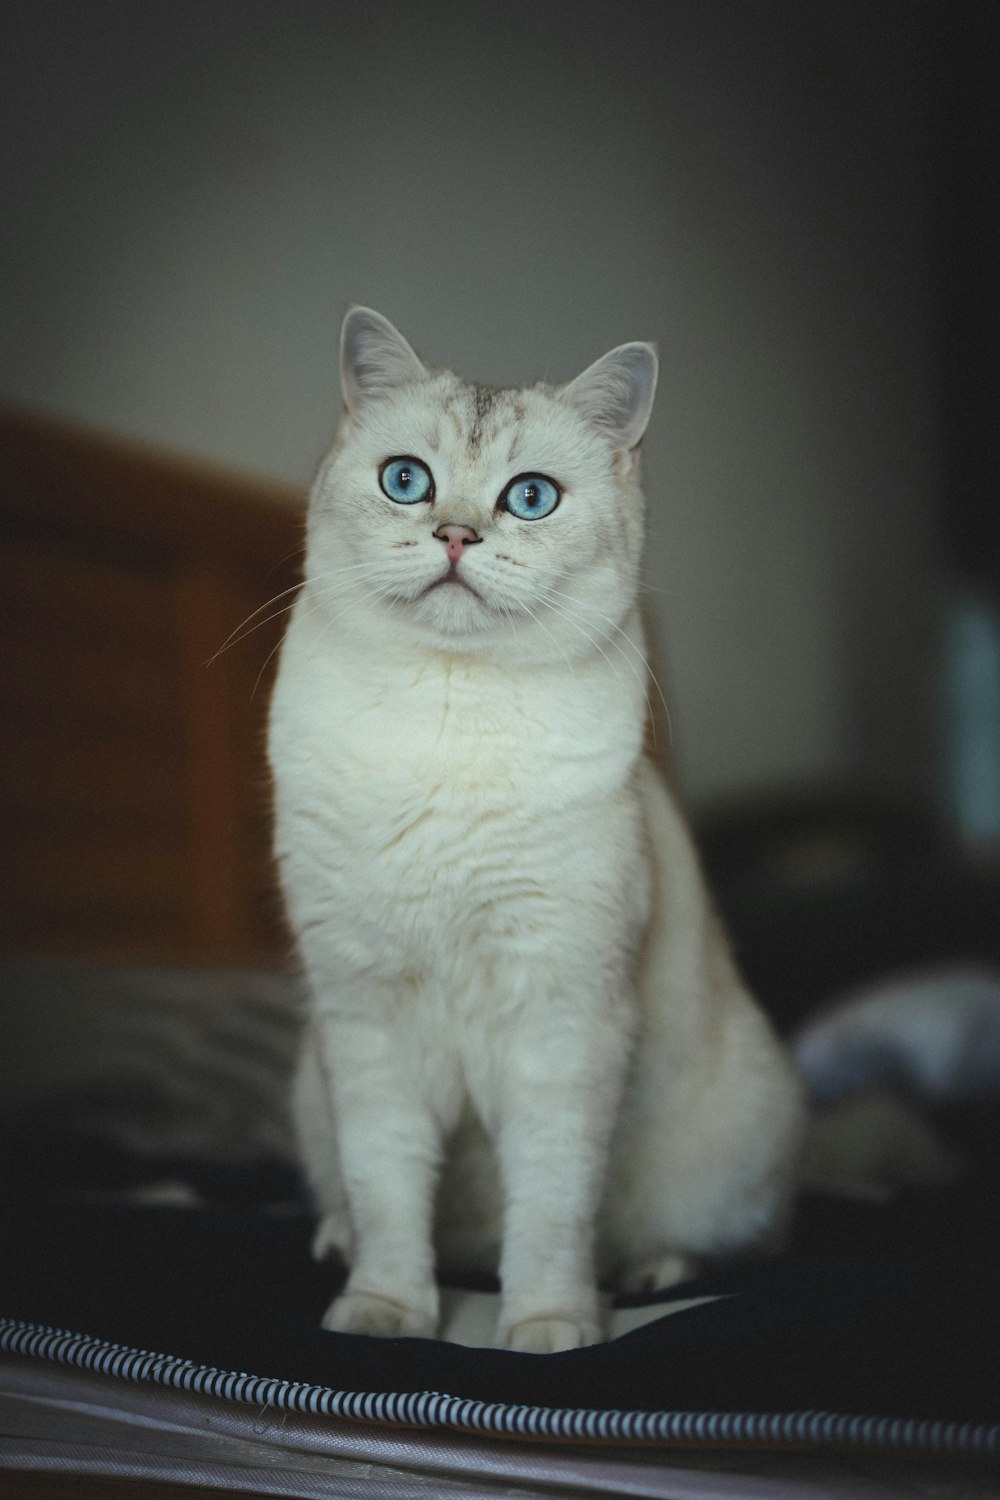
{"points": [[452, 580]]}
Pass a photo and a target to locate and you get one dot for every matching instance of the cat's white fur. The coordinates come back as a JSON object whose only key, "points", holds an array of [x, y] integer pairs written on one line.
{"points": [[529, 1048]]}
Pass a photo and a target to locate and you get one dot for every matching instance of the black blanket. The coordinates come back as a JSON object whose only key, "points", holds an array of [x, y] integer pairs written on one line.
{"points": [[875, 1312]]}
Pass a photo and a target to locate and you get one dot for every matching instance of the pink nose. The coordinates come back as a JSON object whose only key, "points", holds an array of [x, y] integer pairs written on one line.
{"points": [[456, 538]]}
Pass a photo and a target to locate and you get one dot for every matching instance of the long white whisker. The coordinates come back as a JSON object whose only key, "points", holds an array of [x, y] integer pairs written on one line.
{"points": [[583, 604], [371, 570], [316, 596], [233, 634], [256, 682], [547, 590], [295, 552], [542, 626], [240, 633], [355, 583], [377, 594], [581, 630]]}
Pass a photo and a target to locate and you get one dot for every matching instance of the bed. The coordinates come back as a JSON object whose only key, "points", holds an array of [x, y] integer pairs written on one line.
{"points": [[158, 1306]]}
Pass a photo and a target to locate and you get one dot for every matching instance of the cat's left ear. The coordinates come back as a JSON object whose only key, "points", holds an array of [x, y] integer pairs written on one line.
{"points": [[374, 358], [616, 393]]}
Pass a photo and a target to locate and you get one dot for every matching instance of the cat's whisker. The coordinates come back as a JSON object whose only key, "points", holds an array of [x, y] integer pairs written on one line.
{"points": [[522, 604], [332, 576], [582, 630], [240, 632], [315, 608], [375, 595], [546, 589], [583, 604], [362, 574], [256, 684], [295, 552], [315, 596], [234, 635]]}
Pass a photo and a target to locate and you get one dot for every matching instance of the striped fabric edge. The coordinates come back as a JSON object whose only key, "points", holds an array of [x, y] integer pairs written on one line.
{"points": [[498, 1419]]}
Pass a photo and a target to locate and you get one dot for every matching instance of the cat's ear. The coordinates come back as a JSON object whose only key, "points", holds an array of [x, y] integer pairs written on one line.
{"points": [[374, 358], [616, 393]]}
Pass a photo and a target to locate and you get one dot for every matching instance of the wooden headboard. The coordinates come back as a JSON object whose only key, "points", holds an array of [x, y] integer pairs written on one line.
{"points": [[134, 795]]}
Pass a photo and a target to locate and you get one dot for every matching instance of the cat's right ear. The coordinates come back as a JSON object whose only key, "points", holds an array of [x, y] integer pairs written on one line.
{"points": [[374, 358], [616, 393]]}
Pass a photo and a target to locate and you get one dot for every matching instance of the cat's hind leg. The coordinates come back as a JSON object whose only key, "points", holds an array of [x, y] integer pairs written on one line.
{"points": [[658, 1272], [705, 1156]]}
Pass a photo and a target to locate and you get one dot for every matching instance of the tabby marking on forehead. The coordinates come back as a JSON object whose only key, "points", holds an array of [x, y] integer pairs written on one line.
{"points": [[485, 399], [481, 414]]}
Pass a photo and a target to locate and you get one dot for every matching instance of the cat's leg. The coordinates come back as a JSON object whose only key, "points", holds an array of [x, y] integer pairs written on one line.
{"points": [[549, 1296], [704, 1162], [316, 1137], [657, 1272], [705, 1155], [562, 1085], [389, 1146]]}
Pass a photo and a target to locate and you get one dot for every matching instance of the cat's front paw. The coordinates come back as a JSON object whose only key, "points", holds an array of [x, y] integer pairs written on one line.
{"points": [[550, 1335], [383, 1317]]}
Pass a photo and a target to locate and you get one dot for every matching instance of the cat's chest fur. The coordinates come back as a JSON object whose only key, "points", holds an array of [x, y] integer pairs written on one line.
{"points": [[438, 803]]}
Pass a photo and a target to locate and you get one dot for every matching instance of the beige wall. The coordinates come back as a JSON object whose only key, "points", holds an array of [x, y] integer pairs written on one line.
{"points": [[196, 191]]}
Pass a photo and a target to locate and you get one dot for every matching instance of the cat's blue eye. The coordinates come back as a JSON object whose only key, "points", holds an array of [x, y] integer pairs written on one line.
{"points": [[531, 496], [406, 480]]}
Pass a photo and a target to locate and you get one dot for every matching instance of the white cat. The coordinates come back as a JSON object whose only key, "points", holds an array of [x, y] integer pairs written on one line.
{"points": [[529, 1049]]}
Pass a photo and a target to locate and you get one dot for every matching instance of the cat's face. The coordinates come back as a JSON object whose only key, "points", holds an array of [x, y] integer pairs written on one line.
{"points": [[481, 519]]}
